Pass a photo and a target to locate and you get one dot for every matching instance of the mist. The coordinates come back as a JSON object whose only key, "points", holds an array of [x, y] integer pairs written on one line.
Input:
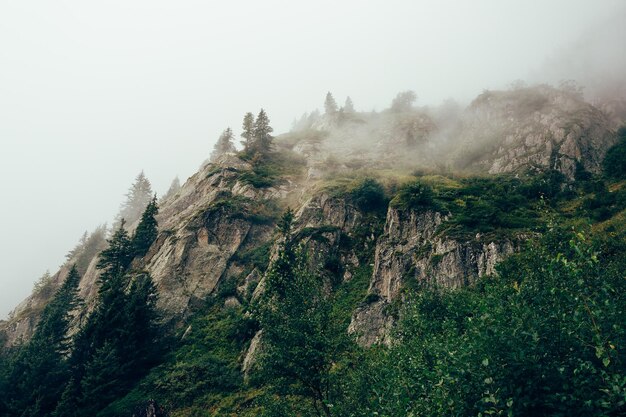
{"points": [[93, 93]]}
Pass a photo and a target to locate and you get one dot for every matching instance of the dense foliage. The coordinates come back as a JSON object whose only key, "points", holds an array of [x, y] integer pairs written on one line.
{"points": [[300, 339], [37, 373], [543, 337], [53, 375]]}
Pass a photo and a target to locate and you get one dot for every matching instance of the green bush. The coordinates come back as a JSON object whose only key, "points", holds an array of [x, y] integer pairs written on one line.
{"points": [[416, 196], [369, 195], [545, 337]]}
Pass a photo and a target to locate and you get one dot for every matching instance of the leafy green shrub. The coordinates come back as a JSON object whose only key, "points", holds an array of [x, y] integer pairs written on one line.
{"points": [[416, 196], [200, 368], [492, 205], [369, 195], [545, 337]]}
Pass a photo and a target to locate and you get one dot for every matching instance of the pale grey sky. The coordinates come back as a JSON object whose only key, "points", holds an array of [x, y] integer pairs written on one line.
{"points": [[93, 92]]}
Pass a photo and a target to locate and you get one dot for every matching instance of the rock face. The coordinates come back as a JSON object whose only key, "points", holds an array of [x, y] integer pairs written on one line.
{"points": [[413, 252], [209, 219], [540, 127], [320, 223]]}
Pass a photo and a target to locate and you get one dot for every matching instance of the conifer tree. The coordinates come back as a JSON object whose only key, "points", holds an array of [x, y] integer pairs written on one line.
{"points": [[262, 133], [87, 248], [115, 259], [79, 247], [139, 350], [174, 187], [40, 370], [330, 105], [348, 107], [137, 198], [300, 338], [248, 131], [223, 145], [147, 230], [117, 344]]}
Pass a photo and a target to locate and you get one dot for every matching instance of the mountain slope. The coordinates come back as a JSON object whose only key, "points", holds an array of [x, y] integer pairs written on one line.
{"points": [[378, 227]]}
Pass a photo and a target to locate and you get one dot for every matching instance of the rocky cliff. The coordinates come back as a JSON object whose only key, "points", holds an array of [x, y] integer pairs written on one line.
{"points": [[412, 252], [214, 216], [211, 230], [540, 128]]}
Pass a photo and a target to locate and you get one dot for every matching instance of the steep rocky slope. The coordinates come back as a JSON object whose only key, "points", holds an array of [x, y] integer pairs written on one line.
{"points": [[216, 223], [213, 216], [413, 252]]}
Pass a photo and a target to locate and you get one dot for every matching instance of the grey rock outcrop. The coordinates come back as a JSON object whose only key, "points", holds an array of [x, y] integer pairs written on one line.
{"points": [[533, 128], [411, 252]]}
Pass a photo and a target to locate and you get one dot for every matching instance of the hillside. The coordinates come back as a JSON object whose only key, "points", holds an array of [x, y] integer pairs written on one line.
{"points": [[423, 233]]}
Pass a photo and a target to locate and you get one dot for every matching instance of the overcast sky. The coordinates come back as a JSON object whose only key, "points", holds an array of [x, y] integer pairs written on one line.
{"points": [[93, 92]]}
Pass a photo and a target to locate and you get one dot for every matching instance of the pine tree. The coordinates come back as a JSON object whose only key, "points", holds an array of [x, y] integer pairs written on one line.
{"points": [[115, 259], [262, 134], [140, 349], [78, 248], [137, 198], [348, 107], [96, 242], [174, 187], [300, 338], [330, 105], [223, 145], [40, 370], [116, 346], [248, 132], [147, 230]]}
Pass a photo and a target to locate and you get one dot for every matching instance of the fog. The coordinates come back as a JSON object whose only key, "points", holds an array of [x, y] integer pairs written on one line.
{"points": [[91, 93]]}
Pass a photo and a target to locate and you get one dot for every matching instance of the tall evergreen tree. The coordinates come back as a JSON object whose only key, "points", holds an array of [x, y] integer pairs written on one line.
{"points": [[300, 338], [248, 131], [174, 187], [262, 133], [40, 370], [348, 107], [115, 259], [116, 345], [223, 145], [140, 349], [88, 248], [79, 247], [137, 198], [330, 105], [147, 230]]}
